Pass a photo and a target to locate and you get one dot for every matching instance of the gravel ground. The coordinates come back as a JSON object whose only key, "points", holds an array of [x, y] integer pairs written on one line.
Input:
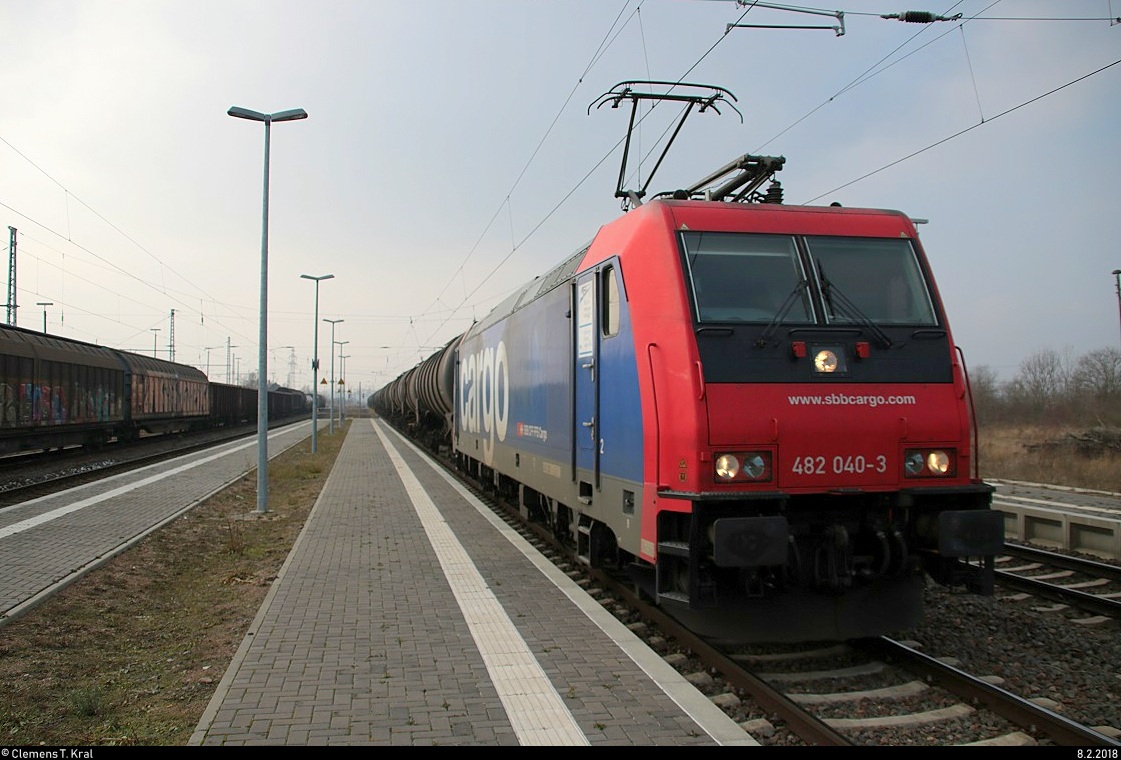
{"points": [[1039, 654]]}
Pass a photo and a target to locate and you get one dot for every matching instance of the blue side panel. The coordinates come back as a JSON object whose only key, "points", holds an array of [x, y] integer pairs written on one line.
{"points": [[514, 386], [515, 389], [540, 383], [620, 409]]}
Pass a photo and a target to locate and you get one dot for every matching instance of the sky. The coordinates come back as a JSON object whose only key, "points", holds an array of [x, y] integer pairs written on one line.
{"points": [[453, 152]]}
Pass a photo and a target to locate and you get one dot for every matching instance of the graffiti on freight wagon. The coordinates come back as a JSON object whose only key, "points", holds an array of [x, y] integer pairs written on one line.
{"points": [[168, 395], [26, 403]]}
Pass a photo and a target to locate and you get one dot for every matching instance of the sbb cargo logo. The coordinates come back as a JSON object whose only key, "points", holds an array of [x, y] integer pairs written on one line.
{"points": [[484, 393], [525, 430]]}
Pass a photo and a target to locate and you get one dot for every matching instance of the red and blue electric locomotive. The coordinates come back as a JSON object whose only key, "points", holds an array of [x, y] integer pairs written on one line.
{"points": [[758, 410]]}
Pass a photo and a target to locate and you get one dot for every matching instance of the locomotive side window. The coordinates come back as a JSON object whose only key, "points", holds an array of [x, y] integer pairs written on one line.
{"points": [[877, 279], [745, 277], [609, 302]]}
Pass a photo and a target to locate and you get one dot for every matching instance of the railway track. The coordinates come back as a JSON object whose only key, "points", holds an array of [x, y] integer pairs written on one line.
{"points": [[40, 474], [822, 696], [1064, 579], [1027, 714], [876, 692]]}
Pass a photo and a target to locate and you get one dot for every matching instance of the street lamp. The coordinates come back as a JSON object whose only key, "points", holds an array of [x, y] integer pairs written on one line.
{"points": [[229, 362], [342, 382], [154, 331], [343, 388], [274, 350], [262, 348], [1116, 279], [208, 350], [315, 365], [44, 304], [332, 407]]}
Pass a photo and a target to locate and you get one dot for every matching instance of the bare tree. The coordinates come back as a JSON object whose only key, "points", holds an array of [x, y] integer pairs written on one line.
{"points": [[986, 390], [1042, 383], [1053, 387], [1096, 383]]}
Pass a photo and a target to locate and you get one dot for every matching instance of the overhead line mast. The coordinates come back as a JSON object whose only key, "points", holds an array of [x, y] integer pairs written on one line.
{"points": [[12, 305]]}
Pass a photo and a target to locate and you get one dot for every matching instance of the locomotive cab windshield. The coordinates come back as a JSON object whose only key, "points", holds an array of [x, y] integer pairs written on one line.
{"points": [[738, 277], [762, 301], [879, 279], [746, 277]]}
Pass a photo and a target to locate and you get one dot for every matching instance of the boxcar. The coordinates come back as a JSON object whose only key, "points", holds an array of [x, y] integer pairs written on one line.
{"points": [[56, 392], [232, 404], [164, 397], [286, 402]]}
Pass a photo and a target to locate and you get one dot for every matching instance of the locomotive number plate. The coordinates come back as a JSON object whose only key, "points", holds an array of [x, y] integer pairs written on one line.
{"points": [[847, 464]]}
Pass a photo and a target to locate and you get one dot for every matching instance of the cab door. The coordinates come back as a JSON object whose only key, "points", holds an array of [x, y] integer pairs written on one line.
{"points": [[586, 386]]}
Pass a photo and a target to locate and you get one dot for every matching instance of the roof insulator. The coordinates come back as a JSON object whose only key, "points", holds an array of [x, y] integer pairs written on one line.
{"points": [[920, 17]]}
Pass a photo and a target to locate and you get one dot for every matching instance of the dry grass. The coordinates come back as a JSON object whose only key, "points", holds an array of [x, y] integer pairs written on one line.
{"points": [[1059, 455], [132, 653]]}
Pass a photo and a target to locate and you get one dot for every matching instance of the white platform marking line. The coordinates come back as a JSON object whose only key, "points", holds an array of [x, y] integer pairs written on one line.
{"points": [[54, 514], [537, 713], [700, 708]]}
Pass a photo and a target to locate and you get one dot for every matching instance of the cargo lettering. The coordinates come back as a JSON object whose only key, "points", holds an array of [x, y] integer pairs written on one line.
{"points": [[484, 379]]}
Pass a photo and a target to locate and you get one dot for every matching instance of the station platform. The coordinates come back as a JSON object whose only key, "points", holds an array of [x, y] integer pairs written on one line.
{"points": [[408, 614]]}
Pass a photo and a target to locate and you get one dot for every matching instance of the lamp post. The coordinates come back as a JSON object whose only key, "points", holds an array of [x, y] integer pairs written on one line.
{"points": [[343, 388], [229, 361], [208, 350], [275, 349], [154, 331], [342, 382], [332, 407], [262, 341], [44, 304], [1117, 284], [315, 365]]}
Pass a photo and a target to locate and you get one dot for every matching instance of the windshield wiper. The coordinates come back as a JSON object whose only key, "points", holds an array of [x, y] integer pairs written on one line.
{"points": [[780, 315], [834, 298]]}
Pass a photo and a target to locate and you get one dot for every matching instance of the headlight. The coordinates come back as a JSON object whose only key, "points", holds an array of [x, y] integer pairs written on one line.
{"points": [[929, 463], [825, 361], [727, 467], [829, 360], [938, 462], [754, 466], [742, 466]]}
